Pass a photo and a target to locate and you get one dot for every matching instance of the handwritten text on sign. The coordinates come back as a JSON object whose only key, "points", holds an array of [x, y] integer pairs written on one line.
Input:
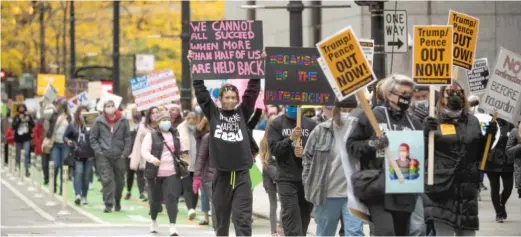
{"points": [[465, 38], [432, 52], [504, 87], [155, 88], [294, 77], [226, 49], [346, 62], [478, 76]]}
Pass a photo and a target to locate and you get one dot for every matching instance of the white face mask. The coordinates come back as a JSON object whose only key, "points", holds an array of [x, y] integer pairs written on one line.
{"points": [[344, 115], [110, 111], [424, 103]]}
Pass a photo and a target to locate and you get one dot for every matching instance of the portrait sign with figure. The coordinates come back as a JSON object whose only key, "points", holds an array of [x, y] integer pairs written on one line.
{"points": [[408, 149]]}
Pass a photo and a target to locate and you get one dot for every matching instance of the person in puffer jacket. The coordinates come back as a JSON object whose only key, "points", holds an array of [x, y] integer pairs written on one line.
{"points": [[203, 174]]}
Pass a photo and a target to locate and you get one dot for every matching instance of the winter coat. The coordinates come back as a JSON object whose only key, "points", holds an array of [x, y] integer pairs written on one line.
{"points": [[359, 149], [82, 149], [110, 144], [202, 166], [514, 152], [136, 161], [497, 160], [453, 197], [22, 128]]}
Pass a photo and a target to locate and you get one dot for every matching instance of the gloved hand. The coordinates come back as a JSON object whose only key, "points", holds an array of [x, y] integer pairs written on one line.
{"points": [[491, 128], [379, 143], [196, 184], [430, 124]]}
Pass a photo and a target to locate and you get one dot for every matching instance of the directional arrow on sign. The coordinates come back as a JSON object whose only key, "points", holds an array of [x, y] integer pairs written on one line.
{"points": [[398, 43]]}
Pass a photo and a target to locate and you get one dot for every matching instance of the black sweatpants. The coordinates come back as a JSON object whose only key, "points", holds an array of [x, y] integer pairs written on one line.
{"points": [[296, 210], [499, 200], [188, 192], [130, 178], [232, 195], [168, 187], [389, 223]]}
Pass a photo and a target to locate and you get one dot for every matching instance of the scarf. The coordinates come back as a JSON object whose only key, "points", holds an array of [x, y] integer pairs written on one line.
{"points": [[116, 117]]}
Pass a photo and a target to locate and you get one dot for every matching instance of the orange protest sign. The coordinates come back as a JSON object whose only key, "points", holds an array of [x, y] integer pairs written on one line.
{"points": [[346, 62], [465, 38], [432, 55]]}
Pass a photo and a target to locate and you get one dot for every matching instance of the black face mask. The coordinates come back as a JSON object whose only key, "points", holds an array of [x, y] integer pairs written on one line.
{"points": [[404, 102], [454, 102]]}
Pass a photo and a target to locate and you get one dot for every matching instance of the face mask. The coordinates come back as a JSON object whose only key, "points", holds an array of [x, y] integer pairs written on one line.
{"points": [[344, 115], [403, 102], [423, 103], [110, 111], [452, 114], [198, 110], [291, 111], [191, 127], [165, 125], [454, 102]]}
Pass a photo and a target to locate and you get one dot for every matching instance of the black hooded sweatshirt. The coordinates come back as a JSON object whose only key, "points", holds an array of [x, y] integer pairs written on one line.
{"points": [[229, 139], [289, 167]]}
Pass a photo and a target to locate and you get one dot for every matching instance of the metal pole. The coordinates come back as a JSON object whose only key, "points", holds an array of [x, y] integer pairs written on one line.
{"points": [[115, 45], [316, 21], [377, 33], [134, 73], [52, 185], [252, 14], [42, 37], [12, 162], [295, 9], [65, 177], [32, 176], [38, 176], [73, 42], [186, 81], [20, 172]]}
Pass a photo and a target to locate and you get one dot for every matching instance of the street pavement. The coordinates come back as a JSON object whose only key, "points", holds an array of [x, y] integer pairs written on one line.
{"points": [[22, 214]]}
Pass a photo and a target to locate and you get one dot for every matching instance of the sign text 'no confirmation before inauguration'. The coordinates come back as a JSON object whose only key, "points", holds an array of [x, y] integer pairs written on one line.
{"points": [[465, 38], [432, 55], [226, 49], [294, 77], [346, 63], [396, 34]]}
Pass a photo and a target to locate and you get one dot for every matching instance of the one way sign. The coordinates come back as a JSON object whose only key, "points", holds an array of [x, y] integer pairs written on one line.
{"points": [[395, 27]]}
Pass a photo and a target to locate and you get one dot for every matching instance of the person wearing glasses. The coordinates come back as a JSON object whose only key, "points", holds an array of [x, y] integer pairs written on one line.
{"points": [[229, 144], [452, 201]]}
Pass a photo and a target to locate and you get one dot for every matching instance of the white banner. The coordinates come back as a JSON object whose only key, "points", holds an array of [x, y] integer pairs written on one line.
{"points": [[155, 88], [145, 63]]}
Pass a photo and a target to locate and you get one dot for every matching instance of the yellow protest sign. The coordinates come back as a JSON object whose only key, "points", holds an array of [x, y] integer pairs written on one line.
{"points": [[58, 81], [347, 64], [465, 38], [432, 55]]}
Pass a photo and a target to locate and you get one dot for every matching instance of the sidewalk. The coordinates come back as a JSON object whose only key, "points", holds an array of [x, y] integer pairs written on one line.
{"points": [[488, 225]]}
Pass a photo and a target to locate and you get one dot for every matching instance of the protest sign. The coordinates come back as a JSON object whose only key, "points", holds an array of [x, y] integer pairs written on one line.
{"points": [[89, 118], [477, 78], [346, 63], [33, 104], [465, 38], [78, 100], [294, 77], [408, 148], [368, 49], [154, 88], [484, 119], [50, 94], [503, 91], [241, 87], [94, 90], [105, 96], [432, 55], [226, 49], [76, 86], [58, 81]]}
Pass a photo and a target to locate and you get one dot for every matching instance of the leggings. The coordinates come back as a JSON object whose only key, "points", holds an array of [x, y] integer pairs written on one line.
{"points": [[130, 179], [500, 199], [170, 188]]}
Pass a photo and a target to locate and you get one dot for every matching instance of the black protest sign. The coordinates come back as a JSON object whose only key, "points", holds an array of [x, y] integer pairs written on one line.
{"points": [[294, 77], [478, 76], [226, 49]]}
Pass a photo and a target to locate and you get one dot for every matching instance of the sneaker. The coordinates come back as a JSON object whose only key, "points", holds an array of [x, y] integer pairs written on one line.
{"points": [[107, 210], [181, 199], [172, 231], [84, 201], [499, 219], [77, 200], [153, 227], [90, 186], [117, 207], [191, 214], [204, 222], [127, 197]]}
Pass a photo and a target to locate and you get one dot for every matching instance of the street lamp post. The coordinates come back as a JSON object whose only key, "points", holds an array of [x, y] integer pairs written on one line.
{"points": [[186, 85], [115, 45]]}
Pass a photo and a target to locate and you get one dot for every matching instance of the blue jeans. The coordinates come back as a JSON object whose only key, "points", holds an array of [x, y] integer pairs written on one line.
{"points": [[27, 148], [82, 174], [417, 224], [328, 214], [205, 203], [59, 153]]}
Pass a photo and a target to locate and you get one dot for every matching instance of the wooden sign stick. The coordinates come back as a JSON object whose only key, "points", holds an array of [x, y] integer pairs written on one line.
{"points": [[298, 143], [372, 119], [430, 164], [487, 146]]}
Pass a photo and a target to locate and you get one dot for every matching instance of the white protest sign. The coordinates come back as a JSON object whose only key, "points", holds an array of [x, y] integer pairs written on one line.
{"points": [[50, 94], [105, 96], [144, 63], [484, 119], [368, 49], [503, 91], [155, 88], [477, 78], [94, 90], [80, 99]]}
